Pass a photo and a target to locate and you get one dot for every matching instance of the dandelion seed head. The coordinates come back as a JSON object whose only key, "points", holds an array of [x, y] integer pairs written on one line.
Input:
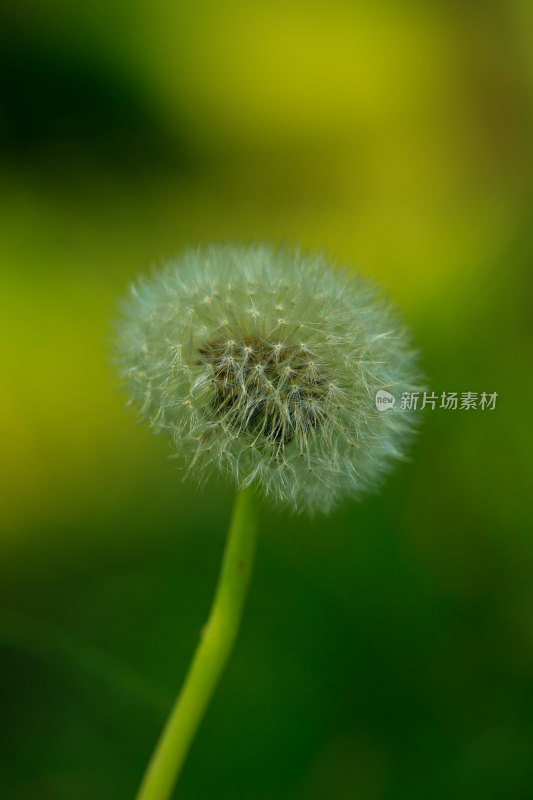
{"points": [[274, 382]]}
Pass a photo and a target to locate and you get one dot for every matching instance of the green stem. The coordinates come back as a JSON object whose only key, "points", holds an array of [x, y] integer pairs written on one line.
{"points": [[211, 654]]}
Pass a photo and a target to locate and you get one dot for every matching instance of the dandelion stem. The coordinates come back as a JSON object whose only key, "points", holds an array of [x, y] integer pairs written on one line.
{"points": [[217, 639]]}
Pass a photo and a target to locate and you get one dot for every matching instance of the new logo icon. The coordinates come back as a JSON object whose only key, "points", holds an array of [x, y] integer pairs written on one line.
{"points": [[384, 400]]}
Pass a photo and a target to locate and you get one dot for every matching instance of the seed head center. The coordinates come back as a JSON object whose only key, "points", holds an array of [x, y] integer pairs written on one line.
{"points": [[269, 391]]}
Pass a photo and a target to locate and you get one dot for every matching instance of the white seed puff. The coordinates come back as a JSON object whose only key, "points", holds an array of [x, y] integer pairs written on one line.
{"points": [[265, 364]]}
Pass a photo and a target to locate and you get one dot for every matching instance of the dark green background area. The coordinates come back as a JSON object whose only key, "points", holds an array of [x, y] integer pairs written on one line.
{"points": [[386, 651]]}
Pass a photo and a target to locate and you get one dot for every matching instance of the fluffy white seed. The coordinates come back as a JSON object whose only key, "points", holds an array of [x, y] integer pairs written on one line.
{"points": [[265, 364]]}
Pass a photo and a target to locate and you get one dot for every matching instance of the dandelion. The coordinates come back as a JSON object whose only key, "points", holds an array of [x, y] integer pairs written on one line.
{"points": [[263, 365]]}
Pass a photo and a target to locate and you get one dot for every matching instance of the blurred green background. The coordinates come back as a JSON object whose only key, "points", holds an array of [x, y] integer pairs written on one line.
{"points": [[386, 651]]}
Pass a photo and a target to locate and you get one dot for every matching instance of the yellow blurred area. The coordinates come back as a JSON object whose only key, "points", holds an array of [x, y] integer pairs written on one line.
{"points": [[396, 137]]}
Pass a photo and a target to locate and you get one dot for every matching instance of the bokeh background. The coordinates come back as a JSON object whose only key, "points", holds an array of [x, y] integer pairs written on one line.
{"points": [[387, 651]]}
